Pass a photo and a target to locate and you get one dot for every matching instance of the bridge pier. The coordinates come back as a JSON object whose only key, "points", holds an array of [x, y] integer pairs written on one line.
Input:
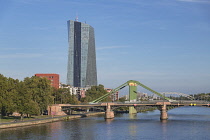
{"points": [[109, 114], [55, 110], [132, 110], [132, 96], [163, 112]]}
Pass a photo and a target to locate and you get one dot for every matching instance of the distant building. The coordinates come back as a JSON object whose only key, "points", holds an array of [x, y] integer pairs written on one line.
{"points": [[114, 96], [81, 71], [54, 78], [77, 91]]}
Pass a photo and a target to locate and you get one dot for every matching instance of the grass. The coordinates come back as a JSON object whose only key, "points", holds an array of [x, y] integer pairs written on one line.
{"points": [[7, 119]]}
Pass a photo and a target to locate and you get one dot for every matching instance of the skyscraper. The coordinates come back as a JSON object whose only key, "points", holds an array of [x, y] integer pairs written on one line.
{"points": [[81, 70]]}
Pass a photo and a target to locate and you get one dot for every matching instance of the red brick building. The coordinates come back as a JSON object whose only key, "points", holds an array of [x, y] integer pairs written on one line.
{"points": [[54, 78]]}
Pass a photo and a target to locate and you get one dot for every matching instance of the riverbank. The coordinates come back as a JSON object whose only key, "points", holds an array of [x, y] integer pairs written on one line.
{"points": [[47, 120]]}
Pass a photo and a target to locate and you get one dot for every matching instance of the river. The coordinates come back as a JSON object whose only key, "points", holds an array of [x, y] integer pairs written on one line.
{"points": [[184, 123]]}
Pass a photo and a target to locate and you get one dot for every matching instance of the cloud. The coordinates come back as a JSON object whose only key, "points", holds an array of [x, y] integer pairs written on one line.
{"points": [[20, 55], [111, 47], [9, 49], [196, 1]]}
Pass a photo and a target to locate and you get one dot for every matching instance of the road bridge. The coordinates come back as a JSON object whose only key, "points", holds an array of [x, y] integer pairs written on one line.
{"points": [[132, 84], [62, 109]]}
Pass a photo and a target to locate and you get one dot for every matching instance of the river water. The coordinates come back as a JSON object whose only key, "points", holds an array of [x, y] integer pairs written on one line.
{"points": [[184, 123]]}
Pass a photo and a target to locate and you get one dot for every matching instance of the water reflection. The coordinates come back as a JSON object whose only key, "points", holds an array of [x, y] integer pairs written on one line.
{"points": [[183, 123], [133, 129], [133, 116], [25, 132], [108, 121], [55, 129], [164, 129], [164, 121]]}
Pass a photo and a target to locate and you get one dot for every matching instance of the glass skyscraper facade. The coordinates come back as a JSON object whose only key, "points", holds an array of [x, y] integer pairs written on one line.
{"points": [[81, 71]]}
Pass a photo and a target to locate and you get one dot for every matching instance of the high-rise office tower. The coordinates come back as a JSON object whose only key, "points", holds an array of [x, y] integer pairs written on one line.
{"points": [[81, 70]]}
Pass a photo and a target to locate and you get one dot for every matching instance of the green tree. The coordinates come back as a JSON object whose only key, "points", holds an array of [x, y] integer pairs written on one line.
{"points": [[25, 103], [31, 96], [63, 96], [41, 91], [122, 99], [8, 94], [95, 92]]}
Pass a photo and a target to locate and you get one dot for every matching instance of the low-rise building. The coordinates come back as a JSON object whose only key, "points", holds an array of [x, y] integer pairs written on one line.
{"points": [[114, 96], [77, 91], [54, 78]]}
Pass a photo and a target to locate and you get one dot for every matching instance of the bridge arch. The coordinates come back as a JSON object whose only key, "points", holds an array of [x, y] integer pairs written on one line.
{"points": [[132, 91], [179, 94]]}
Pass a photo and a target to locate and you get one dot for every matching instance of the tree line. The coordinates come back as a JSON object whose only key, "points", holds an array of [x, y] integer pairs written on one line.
{"points": [[199, 96], [30, 96], [202, 96], [33, 95]]}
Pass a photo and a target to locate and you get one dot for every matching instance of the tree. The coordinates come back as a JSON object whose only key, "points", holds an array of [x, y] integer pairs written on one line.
{"points": [[31, 96], [25, 103], [3, 90], [41, 91], [95, 92], [122, 99], [63, 96], [8, 95]]}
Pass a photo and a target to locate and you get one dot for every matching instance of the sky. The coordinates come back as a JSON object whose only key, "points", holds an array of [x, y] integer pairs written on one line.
{"points": [[164, 44]]}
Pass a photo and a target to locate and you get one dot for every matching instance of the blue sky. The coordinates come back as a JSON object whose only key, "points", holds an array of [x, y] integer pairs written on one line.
{"points": [[164, 44]]}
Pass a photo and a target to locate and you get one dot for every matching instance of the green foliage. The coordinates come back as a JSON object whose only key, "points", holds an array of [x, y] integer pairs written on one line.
{"points": [[25, 103], [31, 96], [63, 96], [122, 99], [202, 96], [7, 94], [40, 91], [95, 92]]}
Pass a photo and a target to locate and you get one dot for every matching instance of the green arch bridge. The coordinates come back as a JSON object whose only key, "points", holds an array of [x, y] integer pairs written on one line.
{"points": [[58, 109], [132, 91]]}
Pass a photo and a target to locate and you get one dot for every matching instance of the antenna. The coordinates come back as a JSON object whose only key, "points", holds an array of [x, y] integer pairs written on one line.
{"points": [[76, 19]]}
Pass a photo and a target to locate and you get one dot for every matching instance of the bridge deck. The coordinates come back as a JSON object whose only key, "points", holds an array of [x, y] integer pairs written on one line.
{"points": [[184, 103]]}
